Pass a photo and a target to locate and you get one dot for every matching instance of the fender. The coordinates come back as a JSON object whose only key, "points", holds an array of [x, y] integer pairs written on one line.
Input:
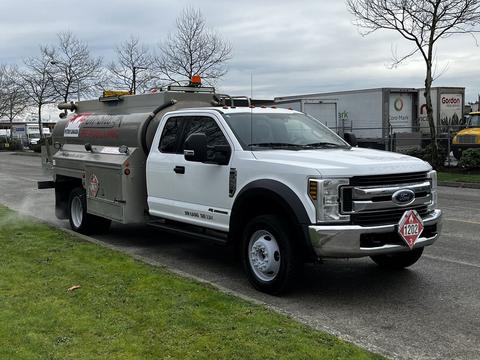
{"points": [[281, 194]]}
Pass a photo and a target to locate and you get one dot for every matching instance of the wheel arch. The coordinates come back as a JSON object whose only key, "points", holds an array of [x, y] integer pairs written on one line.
{"points": [[63, 186], [270, 197]]}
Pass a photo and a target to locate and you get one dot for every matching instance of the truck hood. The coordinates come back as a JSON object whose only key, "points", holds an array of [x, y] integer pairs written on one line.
{"points": [[345, 162], [469, 131]]}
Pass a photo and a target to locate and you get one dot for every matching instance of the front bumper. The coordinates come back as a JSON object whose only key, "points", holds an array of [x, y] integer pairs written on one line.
{"points": [[348, 241]]}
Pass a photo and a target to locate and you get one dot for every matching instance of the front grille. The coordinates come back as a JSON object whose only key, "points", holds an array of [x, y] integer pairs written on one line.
{"points": [[384, 217], [370, 201], [467, 139], [391, 179]]}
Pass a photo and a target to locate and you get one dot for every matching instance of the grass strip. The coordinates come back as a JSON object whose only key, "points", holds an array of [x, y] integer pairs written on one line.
{"points": [[459, 177], [125, 309]]}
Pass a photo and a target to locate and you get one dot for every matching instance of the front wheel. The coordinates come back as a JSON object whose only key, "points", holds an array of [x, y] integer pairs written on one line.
{"points": [[80, 220], [270, 258], [399, 260]]}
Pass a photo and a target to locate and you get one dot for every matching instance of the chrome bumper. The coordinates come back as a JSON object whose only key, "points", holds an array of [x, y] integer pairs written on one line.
{"points": [[343, 241]]}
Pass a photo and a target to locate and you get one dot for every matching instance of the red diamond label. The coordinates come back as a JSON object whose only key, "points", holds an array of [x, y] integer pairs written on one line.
{"points": [[93, 186], [410, 227]]}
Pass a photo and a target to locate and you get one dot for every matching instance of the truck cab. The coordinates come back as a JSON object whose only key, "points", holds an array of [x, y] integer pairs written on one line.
{"points": [[468, 138], [275, 184]]}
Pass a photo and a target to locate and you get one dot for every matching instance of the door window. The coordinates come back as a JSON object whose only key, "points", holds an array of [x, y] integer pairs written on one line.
{"points": [[208, 126], [170, 135]]}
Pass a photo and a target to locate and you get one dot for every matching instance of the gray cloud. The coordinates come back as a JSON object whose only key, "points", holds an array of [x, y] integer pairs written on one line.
{"points": [[290, 47]]}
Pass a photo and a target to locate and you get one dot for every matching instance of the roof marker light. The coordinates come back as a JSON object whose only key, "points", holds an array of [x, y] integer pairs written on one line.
{"points": [[196, 80]]}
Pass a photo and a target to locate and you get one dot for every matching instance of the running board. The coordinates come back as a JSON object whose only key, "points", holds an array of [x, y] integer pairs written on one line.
{"points": [[191, 231]]}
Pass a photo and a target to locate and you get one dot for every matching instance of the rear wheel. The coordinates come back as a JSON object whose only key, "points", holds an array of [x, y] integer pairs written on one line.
{"points": [[399, 260], [270, 258], [80, 220]]}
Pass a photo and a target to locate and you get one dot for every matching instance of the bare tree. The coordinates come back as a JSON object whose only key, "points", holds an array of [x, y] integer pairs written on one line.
{"points": [[36, 82], [14, 100], [133, 67], [422, 22], [73, 70], [3, 93], [193, 50]]}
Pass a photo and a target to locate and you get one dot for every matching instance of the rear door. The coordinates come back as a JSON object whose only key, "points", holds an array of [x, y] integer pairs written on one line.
{"points": [[160, 168]]}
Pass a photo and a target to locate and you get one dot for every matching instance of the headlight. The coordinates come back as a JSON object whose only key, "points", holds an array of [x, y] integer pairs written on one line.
{"points": [[432, 176], [325, 194]]}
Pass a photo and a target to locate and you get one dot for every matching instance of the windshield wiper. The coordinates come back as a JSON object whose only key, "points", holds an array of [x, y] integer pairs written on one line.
{"points": [[277, 145], [324, 145]]}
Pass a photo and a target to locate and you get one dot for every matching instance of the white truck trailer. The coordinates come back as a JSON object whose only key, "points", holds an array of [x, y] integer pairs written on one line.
{"points": [[375, 115], [371, 114], [275, 184]]}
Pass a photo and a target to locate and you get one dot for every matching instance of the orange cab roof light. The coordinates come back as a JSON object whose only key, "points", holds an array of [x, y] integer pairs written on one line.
{"points": [[196, 80]]}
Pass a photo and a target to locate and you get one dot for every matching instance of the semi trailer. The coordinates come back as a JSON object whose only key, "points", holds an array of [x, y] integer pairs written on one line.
{"points": [[275, 184]]}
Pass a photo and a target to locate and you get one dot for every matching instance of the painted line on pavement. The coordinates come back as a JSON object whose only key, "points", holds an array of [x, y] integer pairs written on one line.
{"points": [[464, 221], [439, 258]]}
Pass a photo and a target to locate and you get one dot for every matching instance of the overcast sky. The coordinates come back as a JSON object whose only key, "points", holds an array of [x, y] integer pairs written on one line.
{"points": [[290, 47]]}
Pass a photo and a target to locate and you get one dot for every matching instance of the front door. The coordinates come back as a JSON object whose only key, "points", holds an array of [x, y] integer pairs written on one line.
{"points": [[187, 191]]}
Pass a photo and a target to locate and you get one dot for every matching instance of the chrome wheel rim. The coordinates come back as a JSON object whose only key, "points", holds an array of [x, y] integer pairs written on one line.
{"points": [[264, 255], [77, 211]]}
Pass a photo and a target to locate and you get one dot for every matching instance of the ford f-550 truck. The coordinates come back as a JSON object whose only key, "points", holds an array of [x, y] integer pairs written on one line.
{"points": [[276, 184]]}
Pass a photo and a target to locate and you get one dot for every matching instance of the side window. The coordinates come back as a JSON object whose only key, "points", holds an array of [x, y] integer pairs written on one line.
{"points": [[208, 126], [170, 134]]}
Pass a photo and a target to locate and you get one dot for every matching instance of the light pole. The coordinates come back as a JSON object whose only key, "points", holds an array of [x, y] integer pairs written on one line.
{"points": [[134, 77]]}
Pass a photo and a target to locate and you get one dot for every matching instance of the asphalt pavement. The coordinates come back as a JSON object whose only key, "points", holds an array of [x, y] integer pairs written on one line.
{"points": [[430, 311]]}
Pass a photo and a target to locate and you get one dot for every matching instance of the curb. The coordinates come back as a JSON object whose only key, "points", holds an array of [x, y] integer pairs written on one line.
{"points": [[34, 154], [459, 184]]}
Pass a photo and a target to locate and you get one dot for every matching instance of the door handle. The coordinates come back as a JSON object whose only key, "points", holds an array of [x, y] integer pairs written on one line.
{"points": [[179, 169]]}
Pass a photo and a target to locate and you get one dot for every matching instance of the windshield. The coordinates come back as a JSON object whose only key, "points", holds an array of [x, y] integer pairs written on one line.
{"points": [[282, 131], [474, 121]]}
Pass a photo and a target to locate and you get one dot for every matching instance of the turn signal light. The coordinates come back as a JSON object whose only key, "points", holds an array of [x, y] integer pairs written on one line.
{"points": [[313, 189]]}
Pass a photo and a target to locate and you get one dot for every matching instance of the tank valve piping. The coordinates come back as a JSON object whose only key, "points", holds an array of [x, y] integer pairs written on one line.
{"points": [[67, 106]]}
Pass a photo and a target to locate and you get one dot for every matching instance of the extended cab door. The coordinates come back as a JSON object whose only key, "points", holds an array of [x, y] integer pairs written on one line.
{"points": [[160, 168], [188, 191]]}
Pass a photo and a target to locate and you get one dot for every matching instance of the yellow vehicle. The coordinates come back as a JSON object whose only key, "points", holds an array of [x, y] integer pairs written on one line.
{"points": [[467, 138]]}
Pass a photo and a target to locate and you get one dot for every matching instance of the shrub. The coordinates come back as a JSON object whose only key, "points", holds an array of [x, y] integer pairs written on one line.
{"points": [[8, 144], [470, 159], [426, 155]]}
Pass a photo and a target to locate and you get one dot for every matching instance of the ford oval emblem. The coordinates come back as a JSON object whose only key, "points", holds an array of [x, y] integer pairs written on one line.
{"points": [[403, 197]]}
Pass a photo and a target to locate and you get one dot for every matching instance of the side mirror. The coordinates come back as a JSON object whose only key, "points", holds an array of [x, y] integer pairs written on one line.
{"points": [[351, 139], [222, 154], [196, 148]]}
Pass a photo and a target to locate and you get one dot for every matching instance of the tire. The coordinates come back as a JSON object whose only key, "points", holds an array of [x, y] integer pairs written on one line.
{"points": [[80, 220], [457, 153], [399, 260], [270, 258]]}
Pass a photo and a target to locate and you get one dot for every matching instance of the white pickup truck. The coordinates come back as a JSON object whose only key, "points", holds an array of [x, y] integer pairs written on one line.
{"points": [[274, 183]]}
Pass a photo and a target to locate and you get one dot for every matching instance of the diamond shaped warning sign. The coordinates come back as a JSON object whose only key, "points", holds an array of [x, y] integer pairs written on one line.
{"points": [[410, 227]]}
